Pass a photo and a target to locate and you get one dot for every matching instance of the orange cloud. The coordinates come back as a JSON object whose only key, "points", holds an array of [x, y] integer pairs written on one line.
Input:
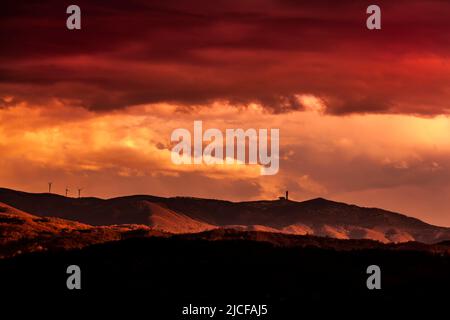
{"points": [[128, 151]]}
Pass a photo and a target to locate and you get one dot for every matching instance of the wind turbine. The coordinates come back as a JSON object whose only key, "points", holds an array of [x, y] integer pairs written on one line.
{"points": [[50, 187], [79, 192], [67, 191]]}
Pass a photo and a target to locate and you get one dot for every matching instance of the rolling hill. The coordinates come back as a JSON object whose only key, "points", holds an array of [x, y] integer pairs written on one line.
{"points": [[319, 217], [21, 232]]}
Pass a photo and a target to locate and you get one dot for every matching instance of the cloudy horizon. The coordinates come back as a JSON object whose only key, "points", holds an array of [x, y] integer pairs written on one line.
{"points": [[363, 115]]}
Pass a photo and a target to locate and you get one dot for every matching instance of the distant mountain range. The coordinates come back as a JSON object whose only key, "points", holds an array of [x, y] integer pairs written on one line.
{"points": [[180, 215]]}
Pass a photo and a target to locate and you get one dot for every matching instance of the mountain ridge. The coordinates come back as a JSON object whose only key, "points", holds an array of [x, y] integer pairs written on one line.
{"points": [[319, 216], [160, 198]]}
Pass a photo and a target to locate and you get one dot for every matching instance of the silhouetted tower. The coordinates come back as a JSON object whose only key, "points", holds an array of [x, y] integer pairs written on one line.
{"points": [[287, 195], [50, 187], [79, 193], [67, 191]]}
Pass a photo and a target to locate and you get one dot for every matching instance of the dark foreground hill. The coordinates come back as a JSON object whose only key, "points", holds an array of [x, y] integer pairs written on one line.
{"points": [[318, 217], [161, 275], [139, 270]]}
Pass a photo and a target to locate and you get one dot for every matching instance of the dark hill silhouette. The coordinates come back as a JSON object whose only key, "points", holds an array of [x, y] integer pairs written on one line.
{"points": [[186, 215], [126, 263], [159, 275]]}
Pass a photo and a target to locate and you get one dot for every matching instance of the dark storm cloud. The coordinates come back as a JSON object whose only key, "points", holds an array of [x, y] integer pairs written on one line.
{"points": [[195, 52]]}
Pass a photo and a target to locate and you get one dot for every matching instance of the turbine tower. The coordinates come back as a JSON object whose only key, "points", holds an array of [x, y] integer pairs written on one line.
{"points": [[50, 187], [67, 191], [79, 192]]}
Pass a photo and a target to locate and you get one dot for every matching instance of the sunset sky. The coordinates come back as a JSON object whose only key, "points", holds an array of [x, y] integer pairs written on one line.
{"points": [[363, 115]]}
